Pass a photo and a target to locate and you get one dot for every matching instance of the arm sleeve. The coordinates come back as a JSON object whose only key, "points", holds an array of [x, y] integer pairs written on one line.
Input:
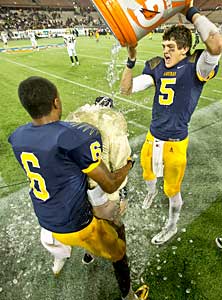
{"points": [[142, 82], [207, 65]]}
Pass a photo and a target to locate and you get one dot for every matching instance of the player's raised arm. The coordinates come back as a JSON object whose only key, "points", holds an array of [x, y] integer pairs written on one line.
{"points": [[211, 37], [130, 84], [208, 31], [126, 83]]}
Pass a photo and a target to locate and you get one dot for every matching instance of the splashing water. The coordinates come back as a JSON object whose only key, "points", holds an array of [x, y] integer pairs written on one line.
{"points": [[112, 74]]}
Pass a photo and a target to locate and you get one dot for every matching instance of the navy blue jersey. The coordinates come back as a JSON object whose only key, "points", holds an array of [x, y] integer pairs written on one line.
{"points": [[177, 93], [56, 158]]}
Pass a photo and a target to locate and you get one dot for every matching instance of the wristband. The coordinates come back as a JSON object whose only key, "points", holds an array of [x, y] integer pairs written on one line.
{"points": [[130, 63], [97, 196], [191, 11]]}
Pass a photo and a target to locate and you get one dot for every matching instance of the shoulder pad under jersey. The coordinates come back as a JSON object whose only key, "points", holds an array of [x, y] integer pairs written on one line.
{"points": [[195, 55], [154, 62]]}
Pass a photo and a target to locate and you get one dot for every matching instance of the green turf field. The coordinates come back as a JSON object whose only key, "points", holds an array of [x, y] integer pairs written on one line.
{"points": [[188, 267]]}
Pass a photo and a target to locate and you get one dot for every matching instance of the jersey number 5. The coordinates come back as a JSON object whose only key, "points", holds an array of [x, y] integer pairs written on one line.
{"points": [[42, 192], [168, 93]]}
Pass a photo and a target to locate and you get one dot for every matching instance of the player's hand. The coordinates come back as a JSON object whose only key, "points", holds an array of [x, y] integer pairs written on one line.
{"points": [[123, 206], [131, 52]]}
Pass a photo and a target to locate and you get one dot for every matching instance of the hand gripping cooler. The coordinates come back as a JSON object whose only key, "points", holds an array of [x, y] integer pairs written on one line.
{"points": [[131, 20]]}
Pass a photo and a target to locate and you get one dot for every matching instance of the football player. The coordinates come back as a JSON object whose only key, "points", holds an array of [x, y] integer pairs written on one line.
{"points": [[4, 38], [113, 128], [57, 157], [70, 43], [179, 78], [97, 36], [116, 150], [33, 40]]}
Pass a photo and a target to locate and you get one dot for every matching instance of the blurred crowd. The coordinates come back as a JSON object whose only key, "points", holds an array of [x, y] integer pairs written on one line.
{"points": [[25, 18]]}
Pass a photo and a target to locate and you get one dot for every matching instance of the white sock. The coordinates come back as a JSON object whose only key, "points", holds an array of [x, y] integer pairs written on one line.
{"points": [[151, 184], [175, 204]]}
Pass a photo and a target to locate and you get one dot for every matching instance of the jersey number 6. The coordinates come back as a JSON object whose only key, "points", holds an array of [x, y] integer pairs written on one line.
{"points": [[42, 193], [95, 149]]}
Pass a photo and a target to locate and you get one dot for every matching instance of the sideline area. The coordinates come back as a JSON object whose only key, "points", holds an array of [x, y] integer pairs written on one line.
{"points": [[29, 48]]}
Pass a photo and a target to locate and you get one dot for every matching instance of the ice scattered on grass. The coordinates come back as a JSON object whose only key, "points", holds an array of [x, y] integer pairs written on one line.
{"points": [[188, 291], [141, 225], [191, 241], [180, 275], [183, 230], [1, 289], [22, 236]]}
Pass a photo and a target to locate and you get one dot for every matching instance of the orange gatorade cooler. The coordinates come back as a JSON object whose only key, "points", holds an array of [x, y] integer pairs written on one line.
{"points": [[131, 20]]}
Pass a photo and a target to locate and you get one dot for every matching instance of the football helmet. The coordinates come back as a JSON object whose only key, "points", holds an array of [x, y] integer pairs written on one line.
{"points": [[104, 101]]}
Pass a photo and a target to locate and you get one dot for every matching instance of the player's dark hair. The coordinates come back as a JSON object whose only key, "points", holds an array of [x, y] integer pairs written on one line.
{"points": [[37, 96], [181, 35]]}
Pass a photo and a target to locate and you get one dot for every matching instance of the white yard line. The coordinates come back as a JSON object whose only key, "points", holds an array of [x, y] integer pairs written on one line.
{"points": [[216, 91], [210, 99], [77, 83], [136, 124]]}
